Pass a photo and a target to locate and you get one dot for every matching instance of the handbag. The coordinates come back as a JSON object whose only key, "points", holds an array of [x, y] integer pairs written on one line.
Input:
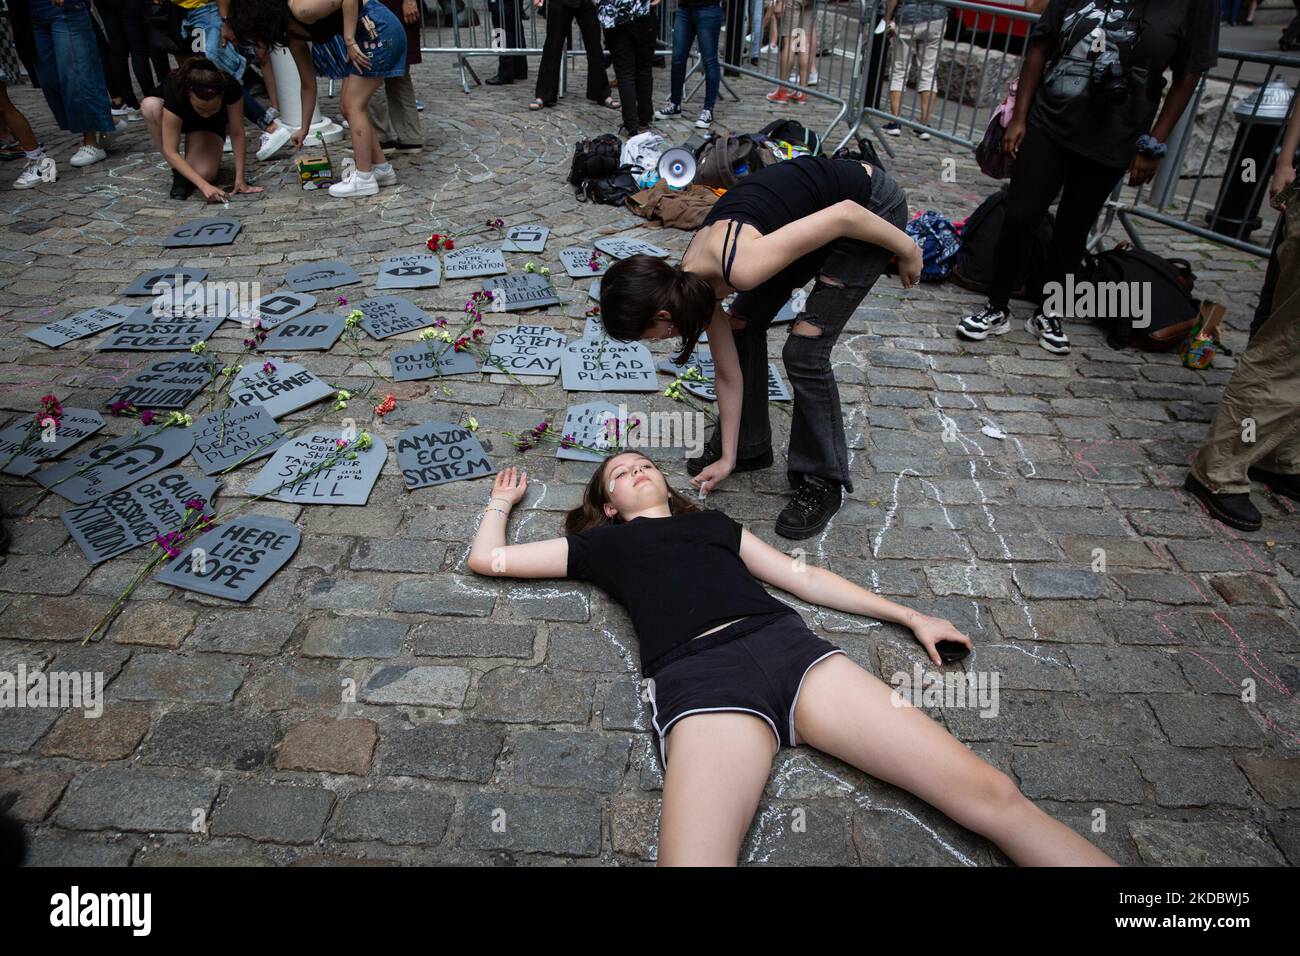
{"points": [[993, 160], [164, 25]]}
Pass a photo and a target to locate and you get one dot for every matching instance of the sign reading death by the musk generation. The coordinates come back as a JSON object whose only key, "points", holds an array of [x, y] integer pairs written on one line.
{"points": [[75, 424], [439, 452], [235, 558], [137, 514], [116, 463], [170, 382]]}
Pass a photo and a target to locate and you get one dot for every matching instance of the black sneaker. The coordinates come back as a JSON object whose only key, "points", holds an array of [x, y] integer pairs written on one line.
{"points": [[892, 129], [1050, 334], [668, 109], [182, 188], [696, 465], [812, 505], [987, 321], [1285, 486], [1237, 511]]}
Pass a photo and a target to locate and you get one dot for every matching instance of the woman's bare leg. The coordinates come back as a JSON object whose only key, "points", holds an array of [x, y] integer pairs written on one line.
{"points": [[203, 152], [717, 766], [847, 712], [353, 99]]}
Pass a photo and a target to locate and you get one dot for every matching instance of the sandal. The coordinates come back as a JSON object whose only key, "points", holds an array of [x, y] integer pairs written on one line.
{"points": [[536, 103], [610, 103]]}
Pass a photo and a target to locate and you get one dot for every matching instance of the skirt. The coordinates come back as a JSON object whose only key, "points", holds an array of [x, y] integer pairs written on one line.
{"points": [[10, 66], [381, 37]]}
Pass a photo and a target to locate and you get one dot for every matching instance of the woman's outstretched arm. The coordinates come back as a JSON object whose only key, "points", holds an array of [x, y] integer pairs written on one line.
{"points": [[490, 554], [825, 588]]}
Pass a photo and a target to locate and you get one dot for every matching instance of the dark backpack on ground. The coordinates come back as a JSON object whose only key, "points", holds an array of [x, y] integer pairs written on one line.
{"points": [[722, 160], [973, 266], [1172, 310], [863, 152], [610, 190], [793, 132], [594, 158]]}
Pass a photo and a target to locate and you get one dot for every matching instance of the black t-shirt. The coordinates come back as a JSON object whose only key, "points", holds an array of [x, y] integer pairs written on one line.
{"points": [[1149, 36], [677, 576], [191, 121], [777, 195]]}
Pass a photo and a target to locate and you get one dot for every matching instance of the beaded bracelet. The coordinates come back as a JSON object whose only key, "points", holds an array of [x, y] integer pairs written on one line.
{"points": [[486, 510]]}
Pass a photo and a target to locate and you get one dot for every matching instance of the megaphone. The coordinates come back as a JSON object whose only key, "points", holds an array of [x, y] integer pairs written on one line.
{"points": [[677, 167]]}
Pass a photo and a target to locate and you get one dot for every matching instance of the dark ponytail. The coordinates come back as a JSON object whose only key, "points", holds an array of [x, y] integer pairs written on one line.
{"points": [[198, 73], [638, 287]]}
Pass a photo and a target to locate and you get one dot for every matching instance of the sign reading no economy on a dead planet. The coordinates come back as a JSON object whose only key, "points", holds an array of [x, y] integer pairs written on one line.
{"points": [[235, 558], [233, 436], [439, 452], [603, 365]]}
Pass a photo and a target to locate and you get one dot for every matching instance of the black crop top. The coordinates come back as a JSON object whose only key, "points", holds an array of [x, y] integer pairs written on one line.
{"points": [[326, 28], [677, 576]]}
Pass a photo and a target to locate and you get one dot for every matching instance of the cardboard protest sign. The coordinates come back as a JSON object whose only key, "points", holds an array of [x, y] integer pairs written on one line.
{"points": [[170, 382], [320, 275], [203, 300], [621, 248], [388, 315], [593, 328], [603, 365], [218, 231], [439, 452], [234, 435], [81, 324], [288, 388], [593, 290], [135, 515], [777, 391], [175, 276], [345, 481], [314, 330], [525, 239], [271, 310], [593, 425], [577, 262], [473, 261], [235, 558], [527, 350], [75, 425], [526, 291], [430, 360], [116, 463], [147, 334], [420, 270]]}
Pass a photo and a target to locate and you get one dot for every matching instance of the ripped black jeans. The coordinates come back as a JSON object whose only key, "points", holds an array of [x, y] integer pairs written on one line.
{"points": [[844, 277]]}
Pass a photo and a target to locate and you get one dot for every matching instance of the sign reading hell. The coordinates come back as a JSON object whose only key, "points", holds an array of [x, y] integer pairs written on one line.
{"points": [[527, 350], [388, 315], [286, 389], [420, 270], [204, 232], [234, 559], [438, 452], [148, 334], [310, 470], [136, 515], [170, 382], [116, 463], [603, 365], [430, 360], [234, 436], [50, 441]]}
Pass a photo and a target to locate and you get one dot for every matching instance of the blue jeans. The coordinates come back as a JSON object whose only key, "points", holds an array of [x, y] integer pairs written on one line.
{"points": [[207, 19], [69, 68], [704, 23]]}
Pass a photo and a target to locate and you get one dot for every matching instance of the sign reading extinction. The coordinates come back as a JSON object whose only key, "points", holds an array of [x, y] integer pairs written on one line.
{"points": [[438, 452], [234, 559], [136, 515], [75, 425]]}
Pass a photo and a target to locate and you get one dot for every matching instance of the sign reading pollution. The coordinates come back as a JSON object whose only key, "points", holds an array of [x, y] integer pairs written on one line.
{"points": [[75, 425], [320, 275], [235, 558], [413, 362], [135, 515], [345, 481], [116, 463], [421, 270], [171, 382], [234, 435], [527, 350], [438, 452], [80, 325], [603, 365]]}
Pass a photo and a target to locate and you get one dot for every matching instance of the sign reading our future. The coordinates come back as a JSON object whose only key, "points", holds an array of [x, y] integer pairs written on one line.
{"points": [[74, 425], [527, 350], [603, 365], [388, 315], [419, 270], [439, 452], [300, 472], [136, 515], [430, 360], [81, 324], [286, 389], [234, 559], [233, 436], [170, 382], [117, 463]]}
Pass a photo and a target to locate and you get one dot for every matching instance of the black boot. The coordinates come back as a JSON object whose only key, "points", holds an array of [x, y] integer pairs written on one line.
{"points": [[181, 187], [1284, 486], [696, 465], [812, 505], [1237, 511]]}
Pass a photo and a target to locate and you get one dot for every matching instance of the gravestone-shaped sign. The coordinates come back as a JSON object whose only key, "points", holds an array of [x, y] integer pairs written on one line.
{"points": [[175, 276], [421, 270], [81, 324], [387, 315], [271, 310], [603, 365], [577, 262], [776, 387], [439, 452], [526, 291], [320, 275], [593, 328], [148, 334], [314, 330], [593, 425], [234, 435], [136, 515], [116, 463], [170, 382], [235, 558], [203, 300], [345, 481], [621, 248], [75, 425], [473, 261], [777, 391], [218, 231], [527, 350], [593, 290], [424, 360], [526, 239], [287, 389]]}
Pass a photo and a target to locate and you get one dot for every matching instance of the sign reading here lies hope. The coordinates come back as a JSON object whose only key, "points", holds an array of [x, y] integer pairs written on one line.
{"points": [[234, 559]]}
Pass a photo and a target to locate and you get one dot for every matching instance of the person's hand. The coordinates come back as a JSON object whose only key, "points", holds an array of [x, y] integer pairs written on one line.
{"points": [[356, 56], [910, 264], [410, 11], [713, 475], [510, 485], [228, 35], [242, 187], [930, 630], [297, 138], [891, 28], [1013, 137], [537, 3], [213, 193], [1141, 169], [1283, 176]]}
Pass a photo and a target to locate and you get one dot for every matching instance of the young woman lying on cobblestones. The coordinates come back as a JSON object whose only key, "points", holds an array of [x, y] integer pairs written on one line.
{"points": [[733, 674]]}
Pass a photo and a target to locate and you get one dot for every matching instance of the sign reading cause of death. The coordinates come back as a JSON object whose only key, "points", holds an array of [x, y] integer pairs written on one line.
{"points": [[527, 350], [577, 262], [527, 291], [437, 453], [75, 425], [80, 325], [234, 559], [287, 389], [603, 365], [170, 382], [148, 334], [594, 426], [418, 361], [419, 271], [621, 248], [777, 391], [178, 277], [314, 330], [233, 436], [136, 515], [474, 261], [320, 275], [388, 315], [204, 232], [271, 310], [346, 481], [525, 239], [116, 463]]}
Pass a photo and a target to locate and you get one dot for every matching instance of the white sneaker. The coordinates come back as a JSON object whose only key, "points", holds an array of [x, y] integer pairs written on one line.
{"points": [[41, 170], [273, 142], [226, 147], [128, 113], [813, 77], [384, 174], [357, 184], [88, 156]]}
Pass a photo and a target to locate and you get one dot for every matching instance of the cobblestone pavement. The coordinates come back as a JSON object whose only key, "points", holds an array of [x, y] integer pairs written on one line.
{"points": [[1120, 691]]}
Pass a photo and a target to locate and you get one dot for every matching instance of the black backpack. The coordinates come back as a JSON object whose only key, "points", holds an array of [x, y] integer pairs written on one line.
{"points": [[973, 267], [794, 133], [594, 158], [864, 152], [1172, 310], [609, 190]]}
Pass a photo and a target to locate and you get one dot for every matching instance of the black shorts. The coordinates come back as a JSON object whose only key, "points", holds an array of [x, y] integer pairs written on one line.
{"points": [[758, 672], [218, 123]]}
